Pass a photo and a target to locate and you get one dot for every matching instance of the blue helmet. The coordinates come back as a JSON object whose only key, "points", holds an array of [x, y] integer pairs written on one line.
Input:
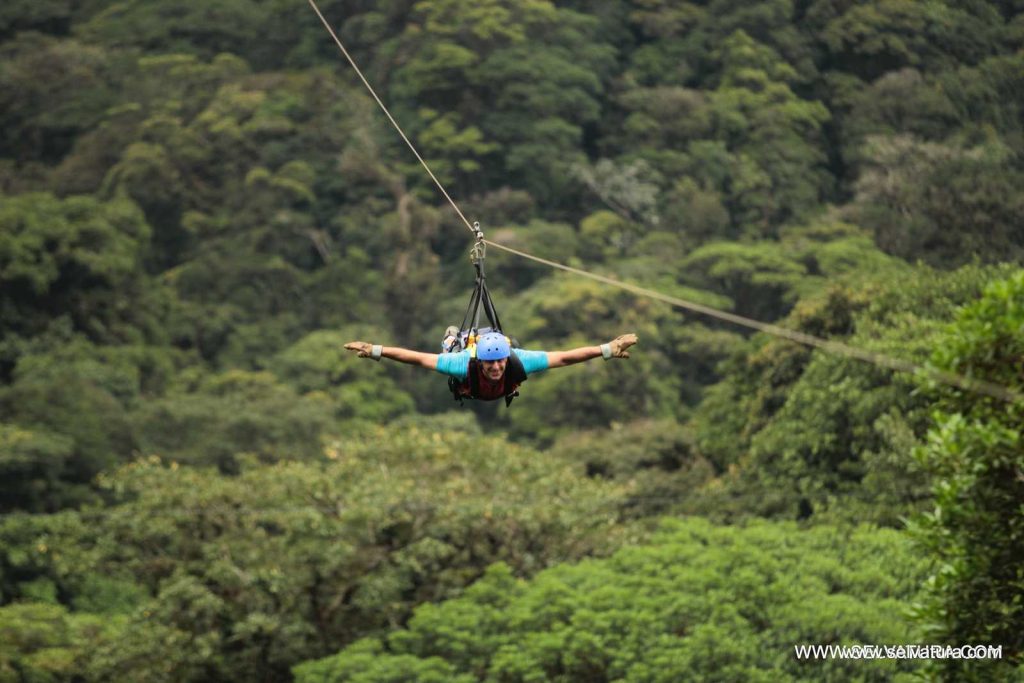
{"points": [[493, 346]]}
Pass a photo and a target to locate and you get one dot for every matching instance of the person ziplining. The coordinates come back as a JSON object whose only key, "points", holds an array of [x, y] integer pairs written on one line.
{"points": [[490, 368], [481, 361]]}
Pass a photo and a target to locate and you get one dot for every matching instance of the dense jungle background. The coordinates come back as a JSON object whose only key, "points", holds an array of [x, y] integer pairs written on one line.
{"points": [[200, 203]]}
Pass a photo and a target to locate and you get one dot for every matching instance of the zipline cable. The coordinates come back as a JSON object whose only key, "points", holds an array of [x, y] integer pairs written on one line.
{"points": [[960, 381], [967, 383], [390, 118]]}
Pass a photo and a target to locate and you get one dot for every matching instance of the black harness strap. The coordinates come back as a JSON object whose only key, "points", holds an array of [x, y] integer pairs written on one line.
{"points": [[480, 298], [515, 375]]}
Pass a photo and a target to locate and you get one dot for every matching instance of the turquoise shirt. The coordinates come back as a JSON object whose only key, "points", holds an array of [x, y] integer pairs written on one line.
{"points": [[457, 364]]}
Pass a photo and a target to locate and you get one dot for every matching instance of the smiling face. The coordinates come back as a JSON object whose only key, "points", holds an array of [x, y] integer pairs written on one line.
{"points": [[493, 369]]}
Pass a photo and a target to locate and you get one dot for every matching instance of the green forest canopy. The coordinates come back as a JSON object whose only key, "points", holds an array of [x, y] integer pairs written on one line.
{"points": [[197, 211]]}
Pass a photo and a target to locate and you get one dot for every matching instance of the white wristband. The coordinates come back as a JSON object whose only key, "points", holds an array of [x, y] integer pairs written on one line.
{"points": [[606, 351], [375, 351]]}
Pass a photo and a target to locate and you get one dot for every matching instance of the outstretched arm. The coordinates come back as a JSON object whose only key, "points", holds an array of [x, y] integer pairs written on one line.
{"points": [[366, 350], [616, 348]]}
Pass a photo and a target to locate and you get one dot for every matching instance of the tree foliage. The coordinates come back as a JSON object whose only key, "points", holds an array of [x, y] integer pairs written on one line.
{"points": [[249, 574], [975, 452], [801, 433], [199, 204], [695, 603]]}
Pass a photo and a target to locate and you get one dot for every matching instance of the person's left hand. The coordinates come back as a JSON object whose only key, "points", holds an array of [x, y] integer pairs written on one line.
{"points": [[362, 349], [621, 343]]}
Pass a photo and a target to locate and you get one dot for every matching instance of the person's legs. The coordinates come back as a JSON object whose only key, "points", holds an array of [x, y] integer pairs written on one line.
{"points": [[451, 339]]}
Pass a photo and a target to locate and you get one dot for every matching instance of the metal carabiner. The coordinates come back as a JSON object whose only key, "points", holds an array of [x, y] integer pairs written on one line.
{"points": [[479, 249]]}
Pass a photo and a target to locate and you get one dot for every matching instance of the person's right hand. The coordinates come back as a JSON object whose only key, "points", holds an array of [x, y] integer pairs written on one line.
{"points": [[362, 349]]}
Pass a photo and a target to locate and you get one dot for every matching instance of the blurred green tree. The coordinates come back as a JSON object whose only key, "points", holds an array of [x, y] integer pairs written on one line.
{"points": [[975, 452]]}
